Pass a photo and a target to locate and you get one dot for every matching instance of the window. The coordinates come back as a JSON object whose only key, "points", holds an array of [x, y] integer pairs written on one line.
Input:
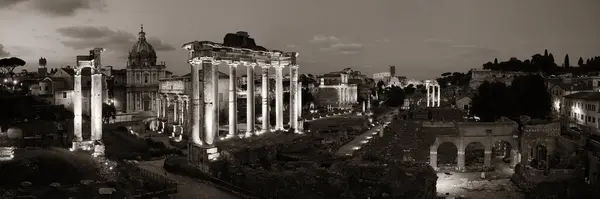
{"points": [[46, 88], [146, 78], [466, 107], [488, 131], [64, 94]]}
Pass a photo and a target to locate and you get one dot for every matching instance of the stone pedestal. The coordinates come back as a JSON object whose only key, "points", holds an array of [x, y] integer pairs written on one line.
{"points": [[202, 156], [82, 145], [98, 150], [487, 158], [461, 161], [433, 160]]}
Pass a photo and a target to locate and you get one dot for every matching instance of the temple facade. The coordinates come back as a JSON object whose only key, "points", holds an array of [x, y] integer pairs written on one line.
{"points": [[339, 94]]}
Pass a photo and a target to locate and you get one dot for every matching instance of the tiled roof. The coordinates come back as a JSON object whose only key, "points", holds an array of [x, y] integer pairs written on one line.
{"points": [[592, 96], [578, 86]]}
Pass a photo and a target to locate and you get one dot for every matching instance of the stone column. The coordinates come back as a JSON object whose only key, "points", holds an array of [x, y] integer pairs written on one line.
{"points": [[487, 158], [181, 109], [265, 98], [96, 106], [211, 124], [175, 111], [300, 122], [233, 99], [197, 102], [293, 93], [460, 160], [158, 106], [514, 156], [428, 94], [439, 90], [433, 158], [77, 108], [250, 111], [278, 96]]}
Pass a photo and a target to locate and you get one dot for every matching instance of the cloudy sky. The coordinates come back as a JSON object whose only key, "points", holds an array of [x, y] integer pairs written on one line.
{"points": [[423, 38]]}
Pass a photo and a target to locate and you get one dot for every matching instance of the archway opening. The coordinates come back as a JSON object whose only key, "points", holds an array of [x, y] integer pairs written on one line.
{"points": [[146, 103], [446, 155], [122, 130], [474, 154], [501, 150], [539, 157]]}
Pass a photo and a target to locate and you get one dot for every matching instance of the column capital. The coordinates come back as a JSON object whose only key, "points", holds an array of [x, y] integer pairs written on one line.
{"points": [[294, 66], [233, 63], [251, 64], [265, 65], [216, 62]]}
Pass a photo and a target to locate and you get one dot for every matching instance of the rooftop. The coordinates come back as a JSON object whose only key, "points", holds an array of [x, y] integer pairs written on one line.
{"points": [[590, 96]]}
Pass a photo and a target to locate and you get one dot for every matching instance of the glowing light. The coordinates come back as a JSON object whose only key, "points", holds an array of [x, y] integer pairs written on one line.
{"points": [[364, 141], [356, 147], [5, 80], [15, 82]]}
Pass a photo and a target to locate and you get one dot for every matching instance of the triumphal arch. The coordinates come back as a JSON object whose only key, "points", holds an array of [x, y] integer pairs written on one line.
{"points": [[487, 134], [93, 62], [208, 56]]}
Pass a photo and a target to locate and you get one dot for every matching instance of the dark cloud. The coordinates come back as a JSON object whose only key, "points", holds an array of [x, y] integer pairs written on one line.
{"points": [[3, 52], [87, 37], [345, 48], [58, 8], [437, 40], [9, 3], [324, 39]]}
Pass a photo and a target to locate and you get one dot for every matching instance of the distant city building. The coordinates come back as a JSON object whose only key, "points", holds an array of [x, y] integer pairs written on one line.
{"points": [[141, 78], [582, 108], [478, 76], [336, 93]]}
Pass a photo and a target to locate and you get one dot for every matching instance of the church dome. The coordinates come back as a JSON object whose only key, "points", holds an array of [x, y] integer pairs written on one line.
{"points": [[142, 54]]}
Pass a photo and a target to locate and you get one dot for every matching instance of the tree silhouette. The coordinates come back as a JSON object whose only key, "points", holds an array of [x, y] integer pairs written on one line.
{"points": [[108, 112], [410, 89], [394, 96], [567, 64], [8, 65], [546, 53], [580, 62], [527, 95], [495, 61]]}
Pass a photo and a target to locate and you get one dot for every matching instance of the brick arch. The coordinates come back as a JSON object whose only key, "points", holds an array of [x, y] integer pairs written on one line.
{"points": [[441, 140], [511, 141]]}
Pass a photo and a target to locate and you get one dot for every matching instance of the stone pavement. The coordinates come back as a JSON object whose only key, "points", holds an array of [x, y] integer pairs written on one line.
{"points": [[189, 188]]}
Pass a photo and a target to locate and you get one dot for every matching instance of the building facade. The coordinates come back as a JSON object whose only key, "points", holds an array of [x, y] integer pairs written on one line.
{"points": [[337, 94], [582, 108], [142, 76]]}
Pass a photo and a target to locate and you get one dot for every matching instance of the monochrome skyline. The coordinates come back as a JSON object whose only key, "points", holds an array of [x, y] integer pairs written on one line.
{"points": [[421, 38]]}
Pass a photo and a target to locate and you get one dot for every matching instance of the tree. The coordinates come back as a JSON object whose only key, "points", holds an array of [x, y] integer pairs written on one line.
{"points": [[380, 84], [8, 65], [394, 96], [446, 74], [410, 89], [545, 52], [108, 112], [495, 61], [533, 97], [580, 62], [492, 101], [567, 64]]}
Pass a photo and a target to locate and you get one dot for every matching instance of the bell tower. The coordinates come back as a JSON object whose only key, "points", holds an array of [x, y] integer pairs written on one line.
{"points": [[42, 70]]}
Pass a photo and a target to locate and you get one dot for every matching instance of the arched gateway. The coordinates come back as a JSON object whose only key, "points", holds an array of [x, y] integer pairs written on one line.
{"points": [[485, 134]]}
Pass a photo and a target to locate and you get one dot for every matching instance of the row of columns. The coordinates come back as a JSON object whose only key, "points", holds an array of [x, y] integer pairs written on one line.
{"points": [[460, 158], [179, 105], [433, 94], [348, 94], [96, 94], [209, 102]]}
